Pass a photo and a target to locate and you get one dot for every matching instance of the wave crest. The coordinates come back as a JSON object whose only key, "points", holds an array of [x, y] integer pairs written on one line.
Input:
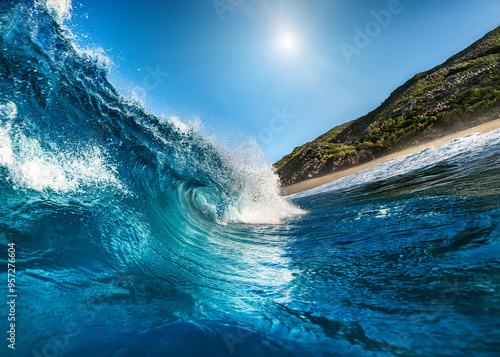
{"points": [[58, 98]]}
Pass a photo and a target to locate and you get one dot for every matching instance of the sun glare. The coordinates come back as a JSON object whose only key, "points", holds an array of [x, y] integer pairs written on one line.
{"points": [[288, 42]]}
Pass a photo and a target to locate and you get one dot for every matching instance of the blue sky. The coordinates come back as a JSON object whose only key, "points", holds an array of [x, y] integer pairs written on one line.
{"points": [[282, 72]]}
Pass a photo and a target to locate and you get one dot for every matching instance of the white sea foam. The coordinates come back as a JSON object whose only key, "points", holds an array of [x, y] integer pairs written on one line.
{"points": [[259, 201], [405, 164], [60, 9], [180, 125], [31, 165], [96, 54], [8, 111]]}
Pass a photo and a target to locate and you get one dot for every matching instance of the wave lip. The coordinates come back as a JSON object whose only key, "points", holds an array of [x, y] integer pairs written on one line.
{"points": [[65, 128], [59, 9]]}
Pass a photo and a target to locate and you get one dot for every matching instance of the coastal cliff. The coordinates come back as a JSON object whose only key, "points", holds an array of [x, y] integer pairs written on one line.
{"points": [[462, 92]]}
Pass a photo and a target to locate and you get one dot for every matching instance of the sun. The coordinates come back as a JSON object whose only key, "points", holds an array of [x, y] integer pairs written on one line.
{"points": [[288, 42]]}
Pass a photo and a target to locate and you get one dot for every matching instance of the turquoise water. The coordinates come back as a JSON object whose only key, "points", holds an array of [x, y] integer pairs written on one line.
{"points": [[137, 235]]}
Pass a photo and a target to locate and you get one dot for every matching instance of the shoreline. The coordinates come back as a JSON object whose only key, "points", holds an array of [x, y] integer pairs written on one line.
{"points": [[318, 181]]}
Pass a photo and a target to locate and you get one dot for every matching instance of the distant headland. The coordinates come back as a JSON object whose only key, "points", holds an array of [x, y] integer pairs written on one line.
{"points": [[460, 94]]}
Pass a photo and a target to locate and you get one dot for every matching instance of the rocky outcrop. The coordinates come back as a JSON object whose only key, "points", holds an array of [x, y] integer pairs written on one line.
{"points": [[310, 166]]}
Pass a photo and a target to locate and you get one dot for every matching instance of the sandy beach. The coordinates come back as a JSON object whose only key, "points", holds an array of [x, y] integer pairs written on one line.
{"points": [[318, 181]]}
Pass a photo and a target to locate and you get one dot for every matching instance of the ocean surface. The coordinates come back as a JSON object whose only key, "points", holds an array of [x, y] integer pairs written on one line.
{"points": [[139, 236]]}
